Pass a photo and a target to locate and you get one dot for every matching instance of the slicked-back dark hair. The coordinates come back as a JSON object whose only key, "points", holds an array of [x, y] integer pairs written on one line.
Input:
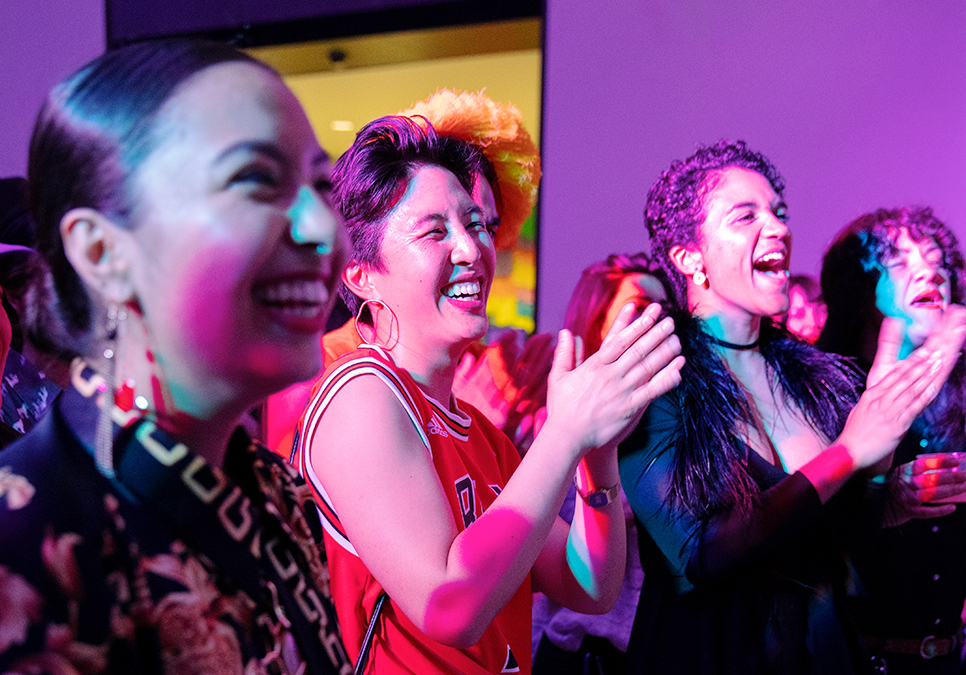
{"points": [[92, 133], [675, 205], [372, 176]]}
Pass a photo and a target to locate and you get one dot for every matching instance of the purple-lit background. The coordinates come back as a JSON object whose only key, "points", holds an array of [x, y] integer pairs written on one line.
{"points": [[860, 103]]}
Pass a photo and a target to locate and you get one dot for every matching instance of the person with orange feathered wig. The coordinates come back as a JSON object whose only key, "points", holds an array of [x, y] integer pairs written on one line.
{"points": [[508, 195], [497, 130]]}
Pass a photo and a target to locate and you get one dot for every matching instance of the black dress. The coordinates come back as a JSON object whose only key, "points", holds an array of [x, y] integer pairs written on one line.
{"points": [[755, 590]]}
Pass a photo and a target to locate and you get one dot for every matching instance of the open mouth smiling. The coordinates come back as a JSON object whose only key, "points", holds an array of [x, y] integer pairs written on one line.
{"points": [[930, 299], [463, 290], [772, 264], [302, 298]]}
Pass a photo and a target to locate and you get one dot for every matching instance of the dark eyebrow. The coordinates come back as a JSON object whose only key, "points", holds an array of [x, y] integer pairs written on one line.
{"points": [[253, 147], [743, 205]]}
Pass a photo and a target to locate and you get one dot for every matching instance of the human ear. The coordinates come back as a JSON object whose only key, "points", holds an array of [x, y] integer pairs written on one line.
{"points": [[94, 246], [686, 260], [357, 278]]}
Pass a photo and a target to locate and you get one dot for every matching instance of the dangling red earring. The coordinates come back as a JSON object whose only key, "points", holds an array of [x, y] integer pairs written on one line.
{"points": [[124, 395]]}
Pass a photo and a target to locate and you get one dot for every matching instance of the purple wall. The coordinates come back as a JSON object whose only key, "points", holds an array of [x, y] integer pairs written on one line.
{"points": [[40, 44], [860, 104]]}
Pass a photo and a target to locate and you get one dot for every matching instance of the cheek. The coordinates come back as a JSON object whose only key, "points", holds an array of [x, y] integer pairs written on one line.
{"points": [[195, 302], [885, 296]]}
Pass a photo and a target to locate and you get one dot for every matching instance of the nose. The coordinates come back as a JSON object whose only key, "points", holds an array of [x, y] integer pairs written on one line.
{"points": [[925, 270], [466, 248], [776, 227], [312, 222]]}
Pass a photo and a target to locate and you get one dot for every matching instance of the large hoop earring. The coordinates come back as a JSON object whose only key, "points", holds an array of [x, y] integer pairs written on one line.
{"points": [[393, 321]]}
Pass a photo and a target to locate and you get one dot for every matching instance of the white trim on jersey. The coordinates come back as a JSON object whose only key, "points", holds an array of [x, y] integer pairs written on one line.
{"points": [[318, 404]]}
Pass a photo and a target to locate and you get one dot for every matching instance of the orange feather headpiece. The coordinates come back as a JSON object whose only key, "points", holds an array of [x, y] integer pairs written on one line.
{"points": [[497, 130]]}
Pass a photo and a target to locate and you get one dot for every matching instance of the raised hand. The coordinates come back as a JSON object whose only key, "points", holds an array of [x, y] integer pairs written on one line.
{"points": [[898, 391], [600, 400]]}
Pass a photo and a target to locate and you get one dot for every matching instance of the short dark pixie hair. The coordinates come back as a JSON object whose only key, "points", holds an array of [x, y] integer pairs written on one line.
{"points": [[853, 265], [91, 135], [372, 176], [675, 205]]}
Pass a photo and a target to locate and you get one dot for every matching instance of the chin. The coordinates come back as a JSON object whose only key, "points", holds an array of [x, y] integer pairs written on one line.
{"points": [[276, 367]]}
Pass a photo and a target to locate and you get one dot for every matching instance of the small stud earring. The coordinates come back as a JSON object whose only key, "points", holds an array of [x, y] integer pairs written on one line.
{"points": [[699, 278]]}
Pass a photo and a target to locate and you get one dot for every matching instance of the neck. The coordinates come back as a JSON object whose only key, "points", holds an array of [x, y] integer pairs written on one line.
{"points": [[740, 331], [433, 370], [431, 364], [204, 423]]}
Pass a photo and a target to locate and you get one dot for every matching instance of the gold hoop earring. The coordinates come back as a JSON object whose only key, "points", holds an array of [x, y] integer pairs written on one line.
{"points": [[393, 321], [699, 278]]}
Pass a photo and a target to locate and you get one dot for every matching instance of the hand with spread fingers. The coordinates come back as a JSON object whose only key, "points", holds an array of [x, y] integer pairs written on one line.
{"points": [[603, 398], [899, 390]]}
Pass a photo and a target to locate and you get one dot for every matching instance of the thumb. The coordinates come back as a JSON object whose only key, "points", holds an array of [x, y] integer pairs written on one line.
{"points": [[564, 356], [891, 334]]}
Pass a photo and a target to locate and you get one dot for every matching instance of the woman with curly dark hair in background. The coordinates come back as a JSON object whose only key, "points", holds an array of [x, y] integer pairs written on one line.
{"points": [[904, 263], [747, 479]]}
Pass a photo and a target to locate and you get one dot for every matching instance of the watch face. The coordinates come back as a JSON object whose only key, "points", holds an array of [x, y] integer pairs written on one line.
{"points": [[596, 500]]}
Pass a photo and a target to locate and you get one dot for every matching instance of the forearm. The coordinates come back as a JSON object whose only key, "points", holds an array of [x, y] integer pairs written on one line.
{"points": [[830, 470], [597, 541], [487, 562], [734, 540]]}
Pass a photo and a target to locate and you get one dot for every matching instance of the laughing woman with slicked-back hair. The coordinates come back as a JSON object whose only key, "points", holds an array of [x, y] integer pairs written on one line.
{"points": [[183, 210]]}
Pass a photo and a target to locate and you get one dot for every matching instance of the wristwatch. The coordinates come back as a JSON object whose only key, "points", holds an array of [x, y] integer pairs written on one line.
{"points": [[598, 499]]}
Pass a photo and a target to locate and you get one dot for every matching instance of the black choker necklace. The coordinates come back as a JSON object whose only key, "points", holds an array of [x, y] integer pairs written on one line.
{"points": [[732, 345]]}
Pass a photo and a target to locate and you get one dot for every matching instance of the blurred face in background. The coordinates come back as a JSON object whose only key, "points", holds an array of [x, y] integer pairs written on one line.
{"points": [[914, 286], [641, 289], [805, 317]]}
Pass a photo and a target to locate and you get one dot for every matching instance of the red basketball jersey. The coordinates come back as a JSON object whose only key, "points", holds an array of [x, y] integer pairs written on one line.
{"points": [[474, 460]]}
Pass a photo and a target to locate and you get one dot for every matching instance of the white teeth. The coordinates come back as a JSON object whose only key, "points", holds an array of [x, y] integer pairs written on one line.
{"points": [[774, 256], [466, 288], [292, 292]]}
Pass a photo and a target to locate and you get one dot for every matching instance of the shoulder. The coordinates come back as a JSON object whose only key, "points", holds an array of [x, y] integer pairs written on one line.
{"points": [[367, 362], [654, 438], [42, 469], [366, 382]]}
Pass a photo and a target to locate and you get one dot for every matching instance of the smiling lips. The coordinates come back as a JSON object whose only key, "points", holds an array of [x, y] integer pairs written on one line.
{"points": [[298, 301], [463, 290], [772, 264], [930, 299]]}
